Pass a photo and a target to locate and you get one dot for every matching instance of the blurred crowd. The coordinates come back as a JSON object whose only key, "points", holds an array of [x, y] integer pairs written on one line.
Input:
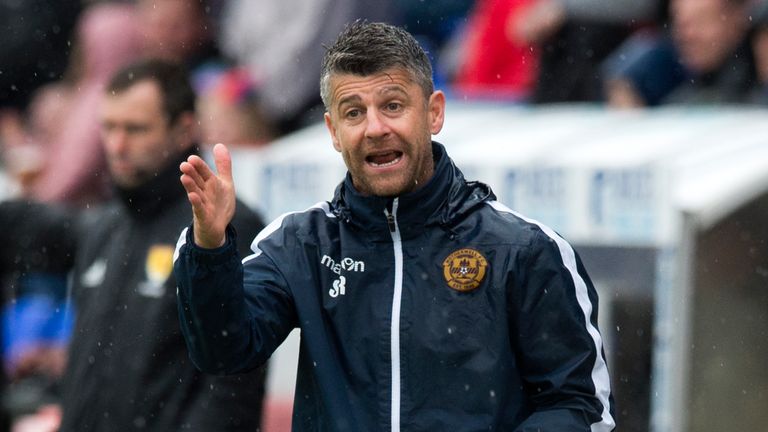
{"points": [[255, 68], [255, 64]]}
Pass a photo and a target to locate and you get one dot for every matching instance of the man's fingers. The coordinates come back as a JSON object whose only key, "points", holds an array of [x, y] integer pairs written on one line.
{"points": [[223, 162], [194, 199], [210, 194], [194, 195], [202, 168], [190, 185], [189, 170]]}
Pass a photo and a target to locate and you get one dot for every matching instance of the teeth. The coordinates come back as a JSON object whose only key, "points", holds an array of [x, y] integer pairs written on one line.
{"points": [[386, 164]]}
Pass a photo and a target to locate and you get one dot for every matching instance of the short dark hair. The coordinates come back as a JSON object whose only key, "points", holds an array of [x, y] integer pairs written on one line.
{"points": [[365, 48], [173, 79]]}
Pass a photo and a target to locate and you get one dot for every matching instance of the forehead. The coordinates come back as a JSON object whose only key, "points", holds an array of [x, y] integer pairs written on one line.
{"points": [[141, 100], [346, 86], [698, 8]]}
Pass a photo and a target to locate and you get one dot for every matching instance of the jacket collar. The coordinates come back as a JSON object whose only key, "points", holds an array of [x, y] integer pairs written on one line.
{"points": [[156, 194], [443, 199]]}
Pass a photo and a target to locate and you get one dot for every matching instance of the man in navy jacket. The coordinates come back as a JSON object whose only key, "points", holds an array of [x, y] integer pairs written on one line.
{"points": [[424, 304]]}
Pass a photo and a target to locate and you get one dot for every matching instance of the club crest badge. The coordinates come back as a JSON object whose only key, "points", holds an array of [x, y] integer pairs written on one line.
{"points": [[464, 269], [158, 267]]}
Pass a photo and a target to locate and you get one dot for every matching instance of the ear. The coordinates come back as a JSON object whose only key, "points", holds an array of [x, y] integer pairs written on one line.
{"points": [[332, 131], [436, 111]]}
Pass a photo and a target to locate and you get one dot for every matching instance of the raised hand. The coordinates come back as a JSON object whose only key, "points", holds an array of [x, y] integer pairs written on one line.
{"points": [[212, 196]]}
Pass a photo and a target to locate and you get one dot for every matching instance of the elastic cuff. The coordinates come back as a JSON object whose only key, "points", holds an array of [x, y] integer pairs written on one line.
{"points": [[217, 256]]}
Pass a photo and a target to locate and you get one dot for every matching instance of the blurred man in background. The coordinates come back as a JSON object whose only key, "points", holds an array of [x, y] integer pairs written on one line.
{"points": [[706, 59], [128, 368]]}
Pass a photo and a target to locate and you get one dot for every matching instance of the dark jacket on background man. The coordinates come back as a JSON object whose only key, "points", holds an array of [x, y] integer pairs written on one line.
{"points": [[128, 367], [437, 310]]}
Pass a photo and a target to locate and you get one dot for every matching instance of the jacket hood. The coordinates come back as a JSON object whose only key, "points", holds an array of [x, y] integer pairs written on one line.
{"points": [[443, 201]]}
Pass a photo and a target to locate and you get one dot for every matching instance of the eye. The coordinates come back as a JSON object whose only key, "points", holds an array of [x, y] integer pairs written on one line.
{"points": [[394, 106], [353, 113], [135, 129]]}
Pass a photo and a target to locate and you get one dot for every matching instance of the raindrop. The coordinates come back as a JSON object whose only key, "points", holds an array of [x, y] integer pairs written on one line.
{"points": [[493, 394]]}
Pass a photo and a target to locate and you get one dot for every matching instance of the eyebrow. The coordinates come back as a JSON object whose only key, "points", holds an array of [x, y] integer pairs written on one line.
{"points": [[349, 99], [385, 90], [393, 89]]}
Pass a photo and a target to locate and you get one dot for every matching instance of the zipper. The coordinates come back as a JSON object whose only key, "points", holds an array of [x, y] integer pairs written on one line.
{"points": [[394, 345], [391, 222]]}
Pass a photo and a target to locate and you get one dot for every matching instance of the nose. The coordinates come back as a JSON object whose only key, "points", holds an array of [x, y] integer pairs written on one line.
{"points": [[115, 140], [376, 125]]}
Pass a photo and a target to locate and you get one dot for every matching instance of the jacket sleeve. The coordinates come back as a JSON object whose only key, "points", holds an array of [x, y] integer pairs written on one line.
{"points": [[231, 323], [559, 348]]}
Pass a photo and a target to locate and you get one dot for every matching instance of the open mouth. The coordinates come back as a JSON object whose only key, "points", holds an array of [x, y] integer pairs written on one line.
{"points": [[384, 159]]}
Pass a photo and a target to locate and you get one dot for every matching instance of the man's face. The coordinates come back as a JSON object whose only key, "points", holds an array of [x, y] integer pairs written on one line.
{"points": [[383, 125], [137, 138], [706, 31]]}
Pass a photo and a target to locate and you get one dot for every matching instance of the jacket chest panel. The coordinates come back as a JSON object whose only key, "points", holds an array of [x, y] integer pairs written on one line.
{"points": [[355, 284], [124, 288], [449, 297], [449, 294]]}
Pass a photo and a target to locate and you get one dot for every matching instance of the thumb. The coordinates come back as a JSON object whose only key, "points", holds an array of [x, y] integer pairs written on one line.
{"points": [[223, 161]]}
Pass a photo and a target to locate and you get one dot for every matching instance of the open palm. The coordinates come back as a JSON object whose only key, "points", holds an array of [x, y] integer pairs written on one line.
{"points": [[212, 196]]}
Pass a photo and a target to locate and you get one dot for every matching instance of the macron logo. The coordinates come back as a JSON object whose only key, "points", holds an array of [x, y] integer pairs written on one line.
{"points": [[346, 264]]}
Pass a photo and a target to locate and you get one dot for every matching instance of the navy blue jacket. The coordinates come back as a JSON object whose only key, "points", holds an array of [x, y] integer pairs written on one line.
{"points": [[437, 310]]}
